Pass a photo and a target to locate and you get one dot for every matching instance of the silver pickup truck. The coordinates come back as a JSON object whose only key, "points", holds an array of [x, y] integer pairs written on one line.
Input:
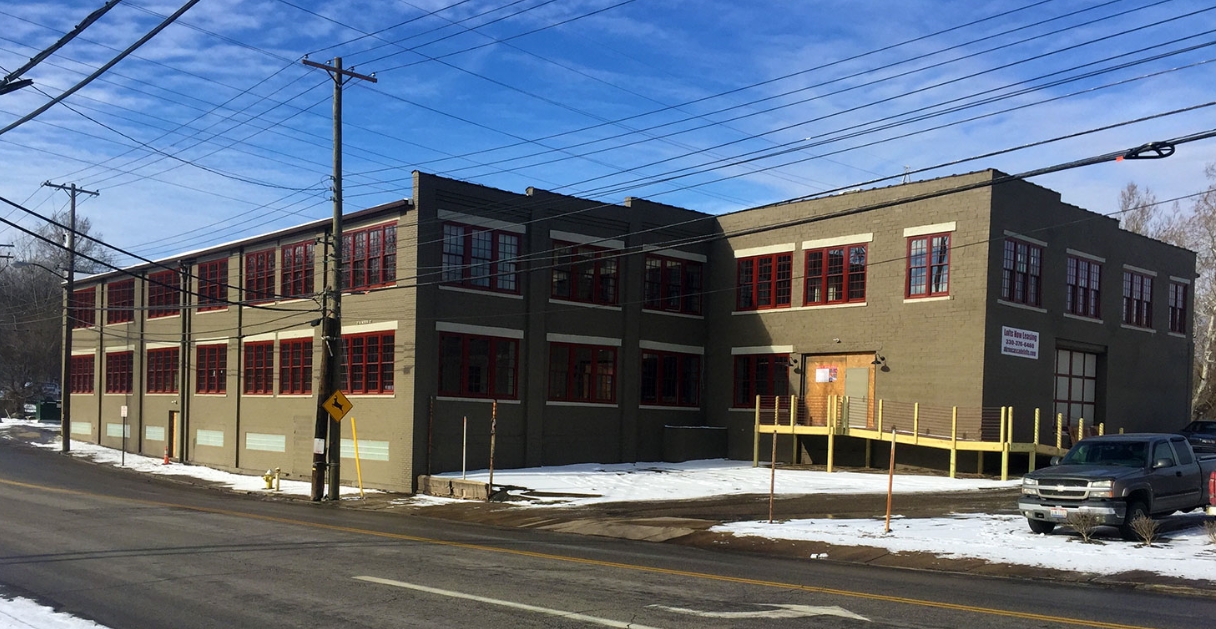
{"points": [[1119, 477]]}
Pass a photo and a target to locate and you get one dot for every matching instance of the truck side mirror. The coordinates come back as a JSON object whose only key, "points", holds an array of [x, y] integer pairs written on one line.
{"points": [[1160, 463], [1055, 460]]}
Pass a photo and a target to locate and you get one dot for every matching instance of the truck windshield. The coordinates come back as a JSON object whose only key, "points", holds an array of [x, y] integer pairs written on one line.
{"points": [[1126, 454]]}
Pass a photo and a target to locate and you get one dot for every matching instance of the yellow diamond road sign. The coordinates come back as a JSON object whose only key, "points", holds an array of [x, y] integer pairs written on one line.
{"points": [[337, 405]]}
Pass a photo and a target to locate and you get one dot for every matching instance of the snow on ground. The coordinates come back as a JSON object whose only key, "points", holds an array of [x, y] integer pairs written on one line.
{"points": [[1185, 553], [22, 613]]}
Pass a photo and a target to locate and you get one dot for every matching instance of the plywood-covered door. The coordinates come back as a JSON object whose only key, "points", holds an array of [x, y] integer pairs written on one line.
{"points": [[840, 375]]}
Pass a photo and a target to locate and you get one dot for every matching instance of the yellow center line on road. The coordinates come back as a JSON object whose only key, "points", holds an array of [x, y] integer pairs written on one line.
{"points": [[989, 611]]}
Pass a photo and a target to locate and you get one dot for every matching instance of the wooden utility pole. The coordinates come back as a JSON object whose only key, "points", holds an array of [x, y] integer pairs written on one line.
{"points": [[69, 287], [331, 318]]}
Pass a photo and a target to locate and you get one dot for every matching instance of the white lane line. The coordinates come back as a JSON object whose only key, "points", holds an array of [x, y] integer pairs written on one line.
{"points": [[778, 611], [493, 601]]}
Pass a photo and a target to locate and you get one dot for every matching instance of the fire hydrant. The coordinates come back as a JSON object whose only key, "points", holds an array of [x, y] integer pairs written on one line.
{"points": [[269, 478]]}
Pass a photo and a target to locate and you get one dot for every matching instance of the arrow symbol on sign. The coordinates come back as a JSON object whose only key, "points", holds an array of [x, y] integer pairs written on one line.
{"points": [[777, 611]]}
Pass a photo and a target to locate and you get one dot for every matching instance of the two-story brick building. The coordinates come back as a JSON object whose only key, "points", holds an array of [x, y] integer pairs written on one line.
{"points": [[589, 329]]}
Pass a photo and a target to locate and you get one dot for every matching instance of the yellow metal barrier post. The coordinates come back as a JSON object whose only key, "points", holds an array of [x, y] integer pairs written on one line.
{"points": [[916, 422], [1059, 431], [953, 441], [756, 437], [793, 435], [1101, 429], [832, 435], [1034, 450], [354, 437], [880, 420], [1005, 446]]}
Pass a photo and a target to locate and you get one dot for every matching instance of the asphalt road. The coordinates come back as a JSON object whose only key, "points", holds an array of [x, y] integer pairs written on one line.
{"points": [[136, 552]]}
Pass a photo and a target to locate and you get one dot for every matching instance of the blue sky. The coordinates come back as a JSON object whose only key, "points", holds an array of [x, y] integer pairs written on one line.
{"points": [[714, 106]]}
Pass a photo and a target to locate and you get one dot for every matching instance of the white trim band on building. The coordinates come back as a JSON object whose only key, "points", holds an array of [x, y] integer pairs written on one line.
{"points": [[161, 345], [762, 349], [476, 291], [675, 253], [259, 338], [298, 334], [1136, 269], [582, 239], [481, 221], [1087, 256], [855, 239], [479, 330], [672, 347], [114, 349], [1033, 241], [936, 228], [787, 247], [580, 339], [215, 341], [363, 328], [84, 352], [1180, 280]]}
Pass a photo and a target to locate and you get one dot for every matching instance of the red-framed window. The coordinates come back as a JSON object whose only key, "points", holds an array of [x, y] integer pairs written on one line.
{"points": [[213, 285], [1084, 295], [583, 273], [1137, 299], [82, 374], [1178, 293], [671, 379], [295, 367], [211, 369], [1022, 273], [673, 285], [368, 363], [369, 257], [259, 276], [478, 366], [259, 368], [764, 281], [928, 266], [1076, 377], [120, 301], [760, 374], [118, 372], [835, 275], [582, 373], [162, 370], [83, 310], [297, 271], [164, 294], [480, 258]]}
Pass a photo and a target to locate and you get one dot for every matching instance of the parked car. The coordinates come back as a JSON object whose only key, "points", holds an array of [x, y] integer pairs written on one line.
{"points": [[1118, 478], [1201, 434]]}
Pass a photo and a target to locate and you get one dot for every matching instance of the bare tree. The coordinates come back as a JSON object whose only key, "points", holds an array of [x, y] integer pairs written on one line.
{"points": [[1201, 229], [1138, 210]]}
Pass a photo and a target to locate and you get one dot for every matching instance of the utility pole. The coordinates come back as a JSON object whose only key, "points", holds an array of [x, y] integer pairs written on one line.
{"points": [[69, 287], [331, 319]]}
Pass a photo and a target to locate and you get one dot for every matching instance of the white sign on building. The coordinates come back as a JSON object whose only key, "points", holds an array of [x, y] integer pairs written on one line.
{"points": [[1021, 343]]}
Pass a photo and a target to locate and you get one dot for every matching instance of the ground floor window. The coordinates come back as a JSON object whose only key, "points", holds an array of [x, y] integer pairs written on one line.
{"points": [[760, 374], [671, 379], [118, 372], [478, 366], [1076, 386], [582, 373], [82, 374], [259, 368]]}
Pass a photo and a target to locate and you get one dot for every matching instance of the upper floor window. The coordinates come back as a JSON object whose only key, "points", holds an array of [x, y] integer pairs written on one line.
{"points": [[369, 257], [297, 272], [1022, 273], [673, 285], [259, 276], [1178, 293], [928, 266], [162, 370], [82, 374], [213, 284], [211, 375], [582, 373], [120, 301], [295, 366], [836, 275], [164, 294], [1084, 296], [118, 372], [82, 308], [478, 366], [671, 379], [368, 363], [259, 368], [480, 258], [582, 273], [764, 281], [1137, 299], [760, 374]]}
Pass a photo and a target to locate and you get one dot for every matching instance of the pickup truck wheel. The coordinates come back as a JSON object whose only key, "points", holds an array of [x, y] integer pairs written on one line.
{"points": [[1134, 510], [1041, 526]]}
